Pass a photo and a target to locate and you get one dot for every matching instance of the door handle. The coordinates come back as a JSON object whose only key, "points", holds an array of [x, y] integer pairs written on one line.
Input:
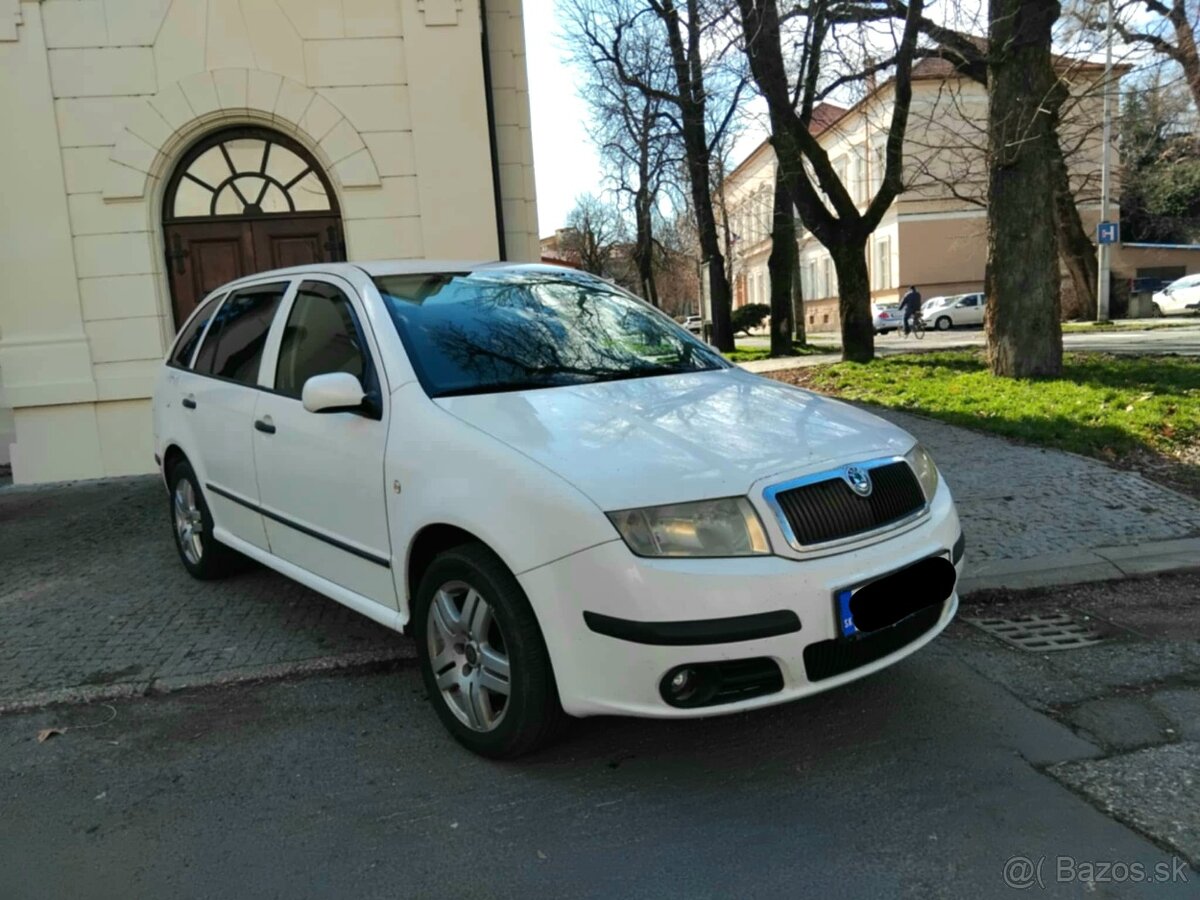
{"points": [[189, 403], [265, 425]]}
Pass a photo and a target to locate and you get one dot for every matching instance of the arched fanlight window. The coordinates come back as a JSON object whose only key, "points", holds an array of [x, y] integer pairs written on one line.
{"points": [[247, 173]]}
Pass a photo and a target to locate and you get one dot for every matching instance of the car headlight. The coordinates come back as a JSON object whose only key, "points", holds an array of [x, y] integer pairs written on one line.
{"points": [[726, 527], [922, 464]]}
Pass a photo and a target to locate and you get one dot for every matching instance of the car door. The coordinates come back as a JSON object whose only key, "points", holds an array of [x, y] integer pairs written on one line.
{"points": [[221, 399], [968, 311], [320, 475], [1182, 293]]}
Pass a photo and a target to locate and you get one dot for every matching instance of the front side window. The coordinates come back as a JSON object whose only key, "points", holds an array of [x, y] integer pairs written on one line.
{"points": [[321, 336], [518, 329], [233, 348], [185, 346]]}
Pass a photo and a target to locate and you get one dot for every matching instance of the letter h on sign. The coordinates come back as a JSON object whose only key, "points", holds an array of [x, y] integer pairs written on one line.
{"points": [[1108, 232]]}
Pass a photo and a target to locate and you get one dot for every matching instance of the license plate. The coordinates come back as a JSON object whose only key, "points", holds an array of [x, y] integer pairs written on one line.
{"points": [[935, 586], [845, 617]]}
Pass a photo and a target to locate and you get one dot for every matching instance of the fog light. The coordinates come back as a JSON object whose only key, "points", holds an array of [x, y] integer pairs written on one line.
{"points": [[681, 685]]}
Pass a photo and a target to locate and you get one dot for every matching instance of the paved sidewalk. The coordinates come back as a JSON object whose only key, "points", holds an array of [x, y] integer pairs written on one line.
{"points": [[94, 602]]}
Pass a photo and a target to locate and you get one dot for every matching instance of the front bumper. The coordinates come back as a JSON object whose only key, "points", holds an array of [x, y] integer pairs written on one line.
{"points": [[599, 673]]}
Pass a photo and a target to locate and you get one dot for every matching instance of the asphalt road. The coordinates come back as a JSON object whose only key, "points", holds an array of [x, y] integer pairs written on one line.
{"points": [[1183, 341], [920, 782]]}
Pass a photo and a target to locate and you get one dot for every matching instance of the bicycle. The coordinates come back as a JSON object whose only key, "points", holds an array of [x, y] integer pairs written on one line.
{"points": [[916, 327]]}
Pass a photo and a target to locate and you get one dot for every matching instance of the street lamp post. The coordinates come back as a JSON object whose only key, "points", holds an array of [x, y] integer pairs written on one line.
{"points": [[1105, 261]]}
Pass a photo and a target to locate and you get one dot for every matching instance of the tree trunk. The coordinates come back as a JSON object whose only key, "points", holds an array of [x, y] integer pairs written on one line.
{"points": [[1186, 53], [643, 248], [1023, 313], [781, 269], [1075, 248], [854, 301], [689, 79], [720, 301]]}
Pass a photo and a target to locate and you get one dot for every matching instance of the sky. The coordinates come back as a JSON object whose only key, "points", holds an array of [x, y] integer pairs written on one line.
{"points": [[564, 160], [565, 163]]}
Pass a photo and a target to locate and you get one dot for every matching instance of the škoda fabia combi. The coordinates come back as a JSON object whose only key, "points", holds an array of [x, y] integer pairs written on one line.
{"points": [[571, 504]]}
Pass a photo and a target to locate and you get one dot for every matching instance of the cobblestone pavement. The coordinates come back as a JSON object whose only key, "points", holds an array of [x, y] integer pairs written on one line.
{"points": [[94, 602], [1020, 502]]}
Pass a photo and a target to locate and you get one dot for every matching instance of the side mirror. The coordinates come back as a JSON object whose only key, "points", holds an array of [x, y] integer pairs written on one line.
{"points": [[333, 392]]}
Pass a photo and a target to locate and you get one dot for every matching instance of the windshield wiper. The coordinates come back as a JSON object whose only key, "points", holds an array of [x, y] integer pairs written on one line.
{"points": [[647, 372], [499, 387]]}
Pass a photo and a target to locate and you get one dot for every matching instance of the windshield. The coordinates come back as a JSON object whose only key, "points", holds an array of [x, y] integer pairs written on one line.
{"points": [[508, 330]]}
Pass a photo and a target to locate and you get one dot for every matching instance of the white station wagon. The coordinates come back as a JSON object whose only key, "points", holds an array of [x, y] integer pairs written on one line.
{"points": [[574, 506]]}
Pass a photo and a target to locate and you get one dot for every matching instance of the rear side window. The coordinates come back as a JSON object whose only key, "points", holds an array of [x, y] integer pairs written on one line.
{"points": [[190, 336], [234, 345], [321, 336]]}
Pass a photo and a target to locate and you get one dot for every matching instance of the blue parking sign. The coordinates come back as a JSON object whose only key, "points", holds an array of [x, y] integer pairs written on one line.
{"points": [[1108, 232]]}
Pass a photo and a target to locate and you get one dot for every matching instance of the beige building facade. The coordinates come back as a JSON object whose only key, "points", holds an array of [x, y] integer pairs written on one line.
{"points": [[934, 235], [155, 148]]}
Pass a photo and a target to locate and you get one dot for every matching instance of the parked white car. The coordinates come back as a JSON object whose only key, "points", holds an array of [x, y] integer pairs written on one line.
{"points": [[694, 324], [887, 317], [571, 504], [934, 303], [964, 309], [1178, 297]]}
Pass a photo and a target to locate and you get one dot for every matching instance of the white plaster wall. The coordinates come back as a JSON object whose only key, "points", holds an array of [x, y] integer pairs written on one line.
{"points": [[100, 97]]}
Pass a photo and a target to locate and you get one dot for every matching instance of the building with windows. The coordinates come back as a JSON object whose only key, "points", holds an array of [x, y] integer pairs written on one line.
{"points": [[935, 234], [155, 149]]}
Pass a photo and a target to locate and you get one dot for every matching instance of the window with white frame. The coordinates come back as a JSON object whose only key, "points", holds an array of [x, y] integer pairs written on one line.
{"points": [[878, 164], [841, 168], [827, 286], [883, 263]]}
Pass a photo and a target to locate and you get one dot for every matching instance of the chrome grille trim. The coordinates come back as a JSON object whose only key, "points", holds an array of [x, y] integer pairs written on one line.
{"points": [[771, 494]]}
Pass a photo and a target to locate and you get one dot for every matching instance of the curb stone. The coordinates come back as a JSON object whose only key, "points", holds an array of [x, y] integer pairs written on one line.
{"points": [[347, 663], [1079, 566]]}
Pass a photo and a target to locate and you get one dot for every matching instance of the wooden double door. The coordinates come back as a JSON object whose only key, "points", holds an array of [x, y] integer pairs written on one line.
{"points": [[202, 256]]}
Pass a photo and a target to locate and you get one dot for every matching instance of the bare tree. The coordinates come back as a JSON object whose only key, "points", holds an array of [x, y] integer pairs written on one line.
{"points": [[783, 267], [791, 86], [1022, 281], [594, 229], [700, 84], [970, 56], [639, 146], [1167, 27], [947, 146]]}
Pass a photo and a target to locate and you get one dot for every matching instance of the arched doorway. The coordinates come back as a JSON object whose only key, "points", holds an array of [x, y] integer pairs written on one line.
{"points": [[240, 201]]}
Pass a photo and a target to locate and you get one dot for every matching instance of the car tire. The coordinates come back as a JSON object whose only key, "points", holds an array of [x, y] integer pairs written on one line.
{"points": [[201, 553], [482, 655], [942, 323], [1156, 311]]}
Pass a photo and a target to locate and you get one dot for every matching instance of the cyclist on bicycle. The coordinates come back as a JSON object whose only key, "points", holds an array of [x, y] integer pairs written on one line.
{"points": [[910, 308]]}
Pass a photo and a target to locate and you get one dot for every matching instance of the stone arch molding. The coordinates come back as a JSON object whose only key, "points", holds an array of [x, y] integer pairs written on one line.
{"points": [[159, 128]]}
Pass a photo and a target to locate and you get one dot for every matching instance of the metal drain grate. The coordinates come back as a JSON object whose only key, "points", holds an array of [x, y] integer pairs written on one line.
{"points": [[1041, 633]]}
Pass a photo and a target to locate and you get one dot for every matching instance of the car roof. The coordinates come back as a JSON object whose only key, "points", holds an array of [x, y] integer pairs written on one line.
{"points": [[384, 267]]}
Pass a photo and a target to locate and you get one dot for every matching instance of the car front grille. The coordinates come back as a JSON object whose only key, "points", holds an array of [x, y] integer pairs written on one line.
{"points": [[829, 510]]}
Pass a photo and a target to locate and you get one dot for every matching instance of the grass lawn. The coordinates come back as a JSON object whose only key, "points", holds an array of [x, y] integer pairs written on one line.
{"points": [[749, 354], [1133, 411]]}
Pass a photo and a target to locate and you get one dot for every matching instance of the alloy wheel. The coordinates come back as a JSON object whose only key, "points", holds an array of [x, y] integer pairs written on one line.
{"points": [[468, 656], [189, 522]]}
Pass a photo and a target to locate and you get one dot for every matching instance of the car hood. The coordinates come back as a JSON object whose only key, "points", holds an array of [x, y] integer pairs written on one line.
{"points": [[675, 438]]}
